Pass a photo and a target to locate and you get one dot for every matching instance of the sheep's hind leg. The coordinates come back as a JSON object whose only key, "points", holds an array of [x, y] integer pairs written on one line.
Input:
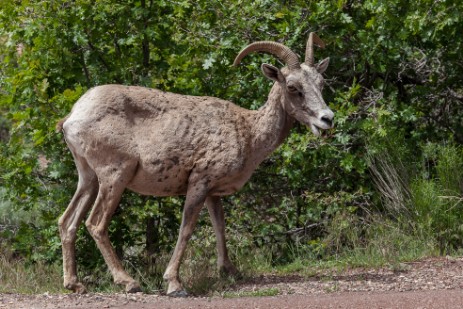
{"points": [[69, 222], [226, 267], [112, 185]]}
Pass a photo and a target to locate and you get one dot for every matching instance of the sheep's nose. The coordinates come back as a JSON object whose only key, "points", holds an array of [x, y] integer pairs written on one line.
{"points": [[327, 120], [327, 117]]}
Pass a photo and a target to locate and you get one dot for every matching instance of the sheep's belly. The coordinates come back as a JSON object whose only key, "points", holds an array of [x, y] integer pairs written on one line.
{"points": [[170, 183]]}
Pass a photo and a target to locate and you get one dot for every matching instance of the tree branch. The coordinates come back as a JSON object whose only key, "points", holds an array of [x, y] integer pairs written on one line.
{"points": [[455, 95]]}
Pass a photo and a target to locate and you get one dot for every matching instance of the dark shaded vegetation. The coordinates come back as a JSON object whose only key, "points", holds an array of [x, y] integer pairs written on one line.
{"points": [[386, 181]]}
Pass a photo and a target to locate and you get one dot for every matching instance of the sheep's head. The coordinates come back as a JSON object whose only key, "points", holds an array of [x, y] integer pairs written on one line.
{"points": [[301, 84]]}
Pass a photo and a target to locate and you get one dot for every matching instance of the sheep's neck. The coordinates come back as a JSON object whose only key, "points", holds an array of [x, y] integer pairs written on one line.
{"points": [[272, 124]]}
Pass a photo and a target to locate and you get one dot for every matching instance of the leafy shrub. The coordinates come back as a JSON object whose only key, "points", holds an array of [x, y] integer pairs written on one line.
{"points": [[437, 200], [425, 197], [393, 82]]}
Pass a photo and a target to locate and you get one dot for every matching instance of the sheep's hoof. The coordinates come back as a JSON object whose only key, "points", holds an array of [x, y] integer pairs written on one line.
{"points": [[178, 294], [133, 287], [77, 288]]}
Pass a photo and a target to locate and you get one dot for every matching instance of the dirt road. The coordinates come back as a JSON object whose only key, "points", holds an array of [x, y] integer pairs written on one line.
{"points": [[438, 299], [433, 283]]}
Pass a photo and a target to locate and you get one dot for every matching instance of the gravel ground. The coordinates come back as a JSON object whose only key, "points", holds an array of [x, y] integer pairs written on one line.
{"points": [[432, 283]]}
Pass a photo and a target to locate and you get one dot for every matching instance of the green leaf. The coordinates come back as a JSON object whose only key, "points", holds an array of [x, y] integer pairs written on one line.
{"points": [[209, 62]]}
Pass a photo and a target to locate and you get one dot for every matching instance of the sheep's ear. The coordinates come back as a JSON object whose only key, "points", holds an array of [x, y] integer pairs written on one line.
{"points": [[322, 65], [272, 72]]}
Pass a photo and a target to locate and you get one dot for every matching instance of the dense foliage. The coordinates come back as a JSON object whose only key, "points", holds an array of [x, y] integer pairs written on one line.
{"points": [[394, 82]]}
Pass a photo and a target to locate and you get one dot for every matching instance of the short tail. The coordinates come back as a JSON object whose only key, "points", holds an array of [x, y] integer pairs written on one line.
{"points": [[59, 125]]}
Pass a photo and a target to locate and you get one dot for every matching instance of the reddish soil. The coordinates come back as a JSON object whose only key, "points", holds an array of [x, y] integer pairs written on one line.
{"points": [[432, 283]]}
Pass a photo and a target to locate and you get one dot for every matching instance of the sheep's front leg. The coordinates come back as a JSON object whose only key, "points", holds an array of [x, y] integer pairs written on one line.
{"points": [[214, 206], [194, 202]]}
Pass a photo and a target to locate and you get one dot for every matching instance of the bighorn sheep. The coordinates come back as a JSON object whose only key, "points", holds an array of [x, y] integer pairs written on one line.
{"points": [[164, 144]]}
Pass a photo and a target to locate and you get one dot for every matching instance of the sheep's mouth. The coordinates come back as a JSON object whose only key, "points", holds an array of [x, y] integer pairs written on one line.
{"points": [[315, 129]]}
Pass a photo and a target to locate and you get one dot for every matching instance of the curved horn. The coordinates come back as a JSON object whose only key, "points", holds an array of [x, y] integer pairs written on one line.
{"points": [[313, 38], [276, 49]]}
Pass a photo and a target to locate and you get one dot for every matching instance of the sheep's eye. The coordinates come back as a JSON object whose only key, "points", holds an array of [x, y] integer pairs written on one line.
{"points": [[292, 89]]}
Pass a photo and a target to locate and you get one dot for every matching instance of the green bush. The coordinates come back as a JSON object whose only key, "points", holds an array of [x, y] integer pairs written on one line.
{"points": [[437, 200], [425, 197], [393, 82]]}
